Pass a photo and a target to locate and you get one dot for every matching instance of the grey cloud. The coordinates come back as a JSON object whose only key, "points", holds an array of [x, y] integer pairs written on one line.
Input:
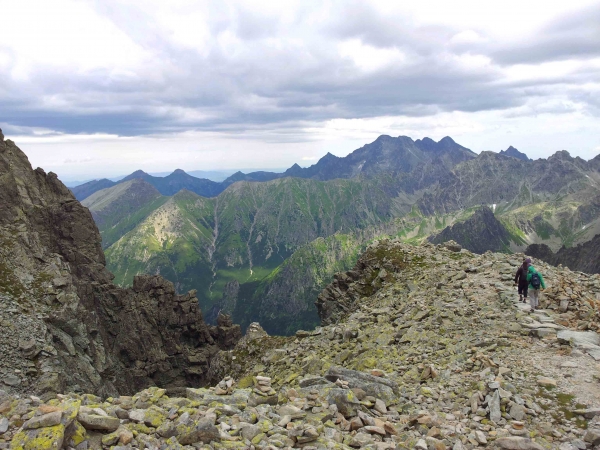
{"points": [[573, 36], [262, 87]]}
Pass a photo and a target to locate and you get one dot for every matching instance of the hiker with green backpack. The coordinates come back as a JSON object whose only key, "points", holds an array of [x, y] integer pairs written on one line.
{"points": [[536, 282]]}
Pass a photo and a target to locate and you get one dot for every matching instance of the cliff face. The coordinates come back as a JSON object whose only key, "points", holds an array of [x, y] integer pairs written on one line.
{"points": [[480, 233], [66, 326]]}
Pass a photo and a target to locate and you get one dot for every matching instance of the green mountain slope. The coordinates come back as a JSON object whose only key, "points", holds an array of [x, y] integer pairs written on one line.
{"points": [[118, 209], [175, 240], [246, 232]]}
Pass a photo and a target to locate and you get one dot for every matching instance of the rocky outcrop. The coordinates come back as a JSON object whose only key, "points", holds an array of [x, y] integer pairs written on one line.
{"points": [[372, 269], [479, 233], [583, 257], [66, 327]]}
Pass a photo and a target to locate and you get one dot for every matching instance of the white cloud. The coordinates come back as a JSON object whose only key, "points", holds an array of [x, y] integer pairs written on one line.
{"points": [[255, 83]]}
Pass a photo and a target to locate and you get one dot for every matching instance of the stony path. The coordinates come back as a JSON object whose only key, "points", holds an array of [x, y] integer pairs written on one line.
{"points": [[576, 372]]}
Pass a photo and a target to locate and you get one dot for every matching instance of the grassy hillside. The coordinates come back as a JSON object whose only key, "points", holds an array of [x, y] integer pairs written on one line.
{"points": [[120, 208]]}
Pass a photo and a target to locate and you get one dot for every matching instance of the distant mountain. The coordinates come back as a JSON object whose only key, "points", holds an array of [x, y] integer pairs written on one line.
{"points": [[507, 182], [385, 154], [75, 183], [511, 151], [252, 176], [178, 180], [85, 190]]}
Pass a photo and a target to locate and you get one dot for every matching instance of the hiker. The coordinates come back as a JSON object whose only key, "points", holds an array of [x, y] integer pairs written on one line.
{"points": [[521, 279], [536, 282]]}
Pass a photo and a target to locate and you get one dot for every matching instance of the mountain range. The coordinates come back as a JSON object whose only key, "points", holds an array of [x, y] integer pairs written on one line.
{"points": [[263, 247], [385, 154]]}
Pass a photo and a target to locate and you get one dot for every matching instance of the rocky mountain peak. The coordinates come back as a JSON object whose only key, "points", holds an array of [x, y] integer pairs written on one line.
{"points": [[447, 140], [179, 172], [511, 151], [137, 174], [79, 330], [1, 135], [560, 155]]}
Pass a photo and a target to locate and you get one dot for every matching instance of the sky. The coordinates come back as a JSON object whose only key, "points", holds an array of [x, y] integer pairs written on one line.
{"points": [[101, 88]]}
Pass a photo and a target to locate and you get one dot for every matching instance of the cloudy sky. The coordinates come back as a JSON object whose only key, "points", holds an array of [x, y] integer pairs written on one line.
{"points": [[101, 88]]}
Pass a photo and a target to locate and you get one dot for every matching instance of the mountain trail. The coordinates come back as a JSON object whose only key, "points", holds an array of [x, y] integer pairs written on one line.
{"points": [[473, 366]]}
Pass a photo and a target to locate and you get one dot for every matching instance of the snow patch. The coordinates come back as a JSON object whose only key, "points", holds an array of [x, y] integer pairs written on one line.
{"points": [[494, 207]]}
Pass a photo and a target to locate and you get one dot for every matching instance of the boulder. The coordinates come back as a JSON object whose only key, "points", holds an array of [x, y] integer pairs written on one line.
{"points": [[345, 400], [517, 443]]}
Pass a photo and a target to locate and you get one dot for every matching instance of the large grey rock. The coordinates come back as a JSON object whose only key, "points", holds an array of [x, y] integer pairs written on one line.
{"points": [[377, 387], [205, 397], [202, 431], [45, 420], [592, 436], [495, 412], [578, 338], [345, 400], [98, 422], [249, 431], [517, 443], [3, 425], [517, 411], [588, 413]]}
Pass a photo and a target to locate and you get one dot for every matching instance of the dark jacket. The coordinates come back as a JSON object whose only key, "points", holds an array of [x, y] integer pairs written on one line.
{"points": [[521, 276]]}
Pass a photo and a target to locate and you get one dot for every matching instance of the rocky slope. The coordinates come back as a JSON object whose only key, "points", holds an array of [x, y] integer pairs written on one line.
{"points": [[435, 346], [421, 347], [480, 233], [583, 257], [65, 326]]}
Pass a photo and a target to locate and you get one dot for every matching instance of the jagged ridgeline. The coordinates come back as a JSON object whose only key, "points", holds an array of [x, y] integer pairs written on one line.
{"points": [[65, 325], [263, 249]]}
